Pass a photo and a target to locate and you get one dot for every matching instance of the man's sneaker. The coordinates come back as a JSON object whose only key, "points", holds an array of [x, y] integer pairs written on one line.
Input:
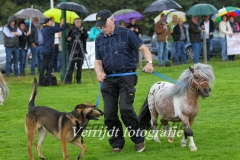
{"points": [[140, 147], [116, 150]]}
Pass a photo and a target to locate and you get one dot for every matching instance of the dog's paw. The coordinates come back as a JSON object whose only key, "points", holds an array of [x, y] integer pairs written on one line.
{"points": [[79, 156], [43, 158]]}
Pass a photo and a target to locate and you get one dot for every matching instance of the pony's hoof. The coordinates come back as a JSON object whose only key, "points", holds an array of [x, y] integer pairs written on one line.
{"points": [[43, 158], [183, 144], [193, 148], [157, 140], [170, 140]]}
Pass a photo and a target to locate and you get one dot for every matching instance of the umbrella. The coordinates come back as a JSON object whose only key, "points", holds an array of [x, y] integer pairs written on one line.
{"points": [[72, 6], [170, 13], [229, 11], [57, 14], [161, 5], [126, 15], [202, 9], [91, 17], [29, 13]]}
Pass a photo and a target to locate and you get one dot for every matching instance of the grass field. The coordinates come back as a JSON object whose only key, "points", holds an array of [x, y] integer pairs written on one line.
{"points": [[216, 127]]}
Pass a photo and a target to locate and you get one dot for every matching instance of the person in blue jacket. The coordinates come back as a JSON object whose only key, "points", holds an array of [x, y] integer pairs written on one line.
{"points": [[48, 33], [94, 31]]}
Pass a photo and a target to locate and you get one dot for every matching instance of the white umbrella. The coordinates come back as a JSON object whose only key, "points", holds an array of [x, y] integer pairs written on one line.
{"points": [[91, 17], [169, 14], [29, 13]]}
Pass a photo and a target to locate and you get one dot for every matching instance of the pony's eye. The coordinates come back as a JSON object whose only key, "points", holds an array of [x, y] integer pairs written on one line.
{"points": [[196, 77]]}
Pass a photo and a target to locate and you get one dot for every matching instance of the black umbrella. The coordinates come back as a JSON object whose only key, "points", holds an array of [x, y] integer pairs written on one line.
{"points": [[71, 6], [161, 5]]}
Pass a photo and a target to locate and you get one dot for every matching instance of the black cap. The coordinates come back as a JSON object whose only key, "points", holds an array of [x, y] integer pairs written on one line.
{"points": [[102, 17], [47, 20]]}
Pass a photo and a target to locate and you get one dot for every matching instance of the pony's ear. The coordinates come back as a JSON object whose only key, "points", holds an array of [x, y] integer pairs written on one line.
{"points": [[191, 69]]}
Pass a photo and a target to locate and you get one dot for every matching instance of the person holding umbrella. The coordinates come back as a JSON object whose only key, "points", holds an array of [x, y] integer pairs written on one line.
{"points": [[195, 38], [209, 27], [36, 42], [115, 67], [23, 47], [48, 33], [162, 30]]}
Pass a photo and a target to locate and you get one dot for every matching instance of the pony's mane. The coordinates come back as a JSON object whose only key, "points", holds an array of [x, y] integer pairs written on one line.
{"points": [[180, 88]]}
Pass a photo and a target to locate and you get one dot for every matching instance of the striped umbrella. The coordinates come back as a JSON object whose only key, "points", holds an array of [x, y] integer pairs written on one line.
{"points": [[229, 11]]}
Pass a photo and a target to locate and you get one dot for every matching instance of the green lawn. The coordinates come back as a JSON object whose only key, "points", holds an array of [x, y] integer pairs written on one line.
{"points": [[216, 127]]}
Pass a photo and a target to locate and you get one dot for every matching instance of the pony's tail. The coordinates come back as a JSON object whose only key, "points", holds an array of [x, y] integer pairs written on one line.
{"points": [[144, 116], [33, 96]]}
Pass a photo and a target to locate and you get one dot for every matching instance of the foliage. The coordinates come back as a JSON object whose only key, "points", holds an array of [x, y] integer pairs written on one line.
{"points": [[10, 7]]}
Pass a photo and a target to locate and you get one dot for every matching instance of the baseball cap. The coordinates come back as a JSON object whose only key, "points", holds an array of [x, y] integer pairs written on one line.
{"points": [[102, 17], [47, 20]]}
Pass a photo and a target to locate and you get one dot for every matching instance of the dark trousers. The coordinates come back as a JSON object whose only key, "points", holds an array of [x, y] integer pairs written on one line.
{"points": [[120, 90], [77, 59], [46, 66], [55, 57]]}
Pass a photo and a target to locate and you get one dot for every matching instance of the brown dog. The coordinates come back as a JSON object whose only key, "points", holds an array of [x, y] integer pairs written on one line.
{"points": [[67, 127]]}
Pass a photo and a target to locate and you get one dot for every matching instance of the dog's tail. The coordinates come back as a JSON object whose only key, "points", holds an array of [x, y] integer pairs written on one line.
{"points": [[3, 86], [144, 116], [33, 96]]}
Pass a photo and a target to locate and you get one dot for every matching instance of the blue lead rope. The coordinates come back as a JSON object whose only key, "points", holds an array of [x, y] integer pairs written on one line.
{"points": [[131, 73], [112, 75], [167, 78]]}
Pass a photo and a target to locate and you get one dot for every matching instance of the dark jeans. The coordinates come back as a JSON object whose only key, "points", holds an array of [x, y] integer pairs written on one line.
{"points": [[46, 66], [78, 59], [121, 90], [22, 61]]}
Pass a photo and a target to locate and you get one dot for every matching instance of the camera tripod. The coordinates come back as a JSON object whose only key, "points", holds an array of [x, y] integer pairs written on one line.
{"points": [[73, 49]]}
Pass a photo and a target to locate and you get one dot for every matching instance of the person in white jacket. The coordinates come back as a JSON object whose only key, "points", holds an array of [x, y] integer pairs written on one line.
{"points": [[224, 30]]}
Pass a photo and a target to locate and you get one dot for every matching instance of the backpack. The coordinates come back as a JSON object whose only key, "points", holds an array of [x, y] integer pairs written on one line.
{"points": [[44, 81]]}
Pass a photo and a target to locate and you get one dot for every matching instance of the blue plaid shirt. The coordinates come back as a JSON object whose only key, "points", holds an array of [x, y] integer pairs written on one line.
{"points": [[118, 52]]}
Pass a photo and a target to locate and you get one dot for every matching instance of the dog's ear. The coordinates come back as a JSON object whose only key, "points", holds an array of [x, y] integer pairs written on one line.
{"points": [[80, 107]]}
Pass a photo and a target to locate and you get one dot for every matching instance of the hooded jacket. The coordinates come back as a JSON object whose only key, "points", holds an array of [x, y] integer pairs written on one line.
{"points": [[9, 41]]}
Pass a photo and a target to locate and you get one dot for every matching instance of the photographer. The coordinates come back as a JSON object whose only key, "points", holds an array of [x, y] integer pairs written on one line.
{"points": [[76, 32]]}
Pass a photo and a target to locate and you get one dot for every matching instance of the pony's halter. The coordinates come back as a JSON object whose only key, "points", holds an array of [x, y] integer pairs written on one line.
{"points": [[198, 84]]}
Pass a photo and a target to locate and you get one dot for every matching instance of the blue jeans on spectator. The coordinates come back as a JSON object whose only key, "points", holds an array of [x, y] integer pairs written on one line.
{"points": [[162, 53], [176, 55], [223, 42], [182, 51], [37, 58], [59, 61], [209, 44], [171, 45], [22, 61], [11, 52], [196, 46]]}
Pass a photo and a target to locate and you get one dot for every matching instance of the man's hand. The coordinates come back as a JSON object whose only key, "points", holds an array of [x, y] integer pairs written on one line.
{"points": [[33, 45], [28, 33], [148, 68], [62, 22], [210, 33], [101, 76], [69, 38], [15, 34]]}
